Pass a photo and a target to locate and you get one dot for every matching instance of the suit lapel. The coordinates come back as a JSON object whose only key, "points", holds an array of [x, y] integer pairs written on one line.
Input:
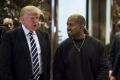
{"points": [[25, 47], [24, 44], [40, 41]]}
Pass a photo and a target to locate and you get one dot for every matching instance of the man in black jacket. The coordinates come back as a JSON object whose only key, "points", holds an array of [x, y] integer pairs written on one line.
{"points": [[80, 57], [115, 55], [17, 61]]}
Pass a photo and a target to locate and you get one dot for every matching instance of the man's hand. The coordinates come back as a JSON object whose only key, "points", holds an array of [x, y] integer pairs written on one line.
{"points": [[110, 75], [110, 72], [112, 78]]}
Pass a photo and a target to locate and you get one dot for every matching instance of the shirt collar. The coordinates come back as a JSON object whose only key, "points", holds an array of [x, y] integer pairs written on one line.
{"points": [[26, 31]]}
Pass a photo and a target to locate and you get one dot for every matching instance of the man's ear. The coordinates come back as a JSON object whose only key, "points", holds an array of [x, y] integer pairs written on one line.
{"points": [[21, 19]]}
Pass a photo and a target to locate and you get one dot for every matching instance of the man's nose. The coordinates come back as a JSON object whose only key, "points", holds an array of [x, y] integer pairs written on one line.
{"points": [[68, 27]]}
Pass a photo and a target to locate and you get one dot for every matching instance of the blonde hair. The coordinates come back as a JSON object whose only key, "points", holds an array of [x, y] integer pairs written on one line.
{"points": [[30, 8]]}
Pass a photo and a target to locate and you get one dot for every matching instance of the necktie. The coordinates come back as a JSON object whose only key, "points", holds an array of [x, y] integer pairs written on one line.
{"points": [[34, 53]]}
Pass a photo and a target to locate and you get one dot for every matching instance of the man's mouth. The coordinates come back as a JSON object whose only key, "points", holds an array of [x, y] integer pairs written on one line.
{"points": [[34, 25], [68, 32]]}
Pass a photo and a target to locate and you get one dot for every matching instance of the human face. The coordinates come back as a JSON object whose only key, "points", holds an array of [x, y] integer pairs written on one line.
{"points": [[73, 28], [8, 22], [30, 20]]}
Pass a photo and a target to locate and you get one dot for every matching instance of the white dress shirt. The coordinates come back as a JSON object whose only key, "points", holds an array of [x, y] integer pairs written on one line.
{"points": [[26, 31]]}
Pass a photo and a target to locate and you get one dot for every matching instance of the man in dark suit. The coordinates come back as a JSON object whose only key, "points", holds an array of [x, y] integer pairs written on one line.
{"points": [[115, 55], [17, 61]]}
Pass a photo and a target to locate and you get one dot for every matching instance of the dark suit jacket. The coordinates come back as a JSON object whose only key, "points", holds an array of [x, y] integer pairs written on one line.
{"points": [[15, 60], [114, 54]]}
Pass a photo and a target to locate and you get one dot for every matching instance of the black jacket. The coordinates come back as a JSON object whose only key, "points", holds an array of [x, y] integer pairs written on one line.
{"points": [[89, 64], [15, 60], [115, 56]]}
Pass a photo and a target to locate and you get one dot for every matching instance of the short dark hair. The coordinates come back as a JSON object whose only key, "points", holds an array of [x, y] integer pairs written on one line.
{"points": [[78, 18]]}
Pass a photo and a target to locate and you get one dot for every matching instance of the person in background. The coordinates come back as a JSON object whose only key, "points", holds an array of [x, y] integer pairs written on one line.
{"points": [[114, 72], [25, 52], [7, 25], [8, 22], [80, 57]]}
